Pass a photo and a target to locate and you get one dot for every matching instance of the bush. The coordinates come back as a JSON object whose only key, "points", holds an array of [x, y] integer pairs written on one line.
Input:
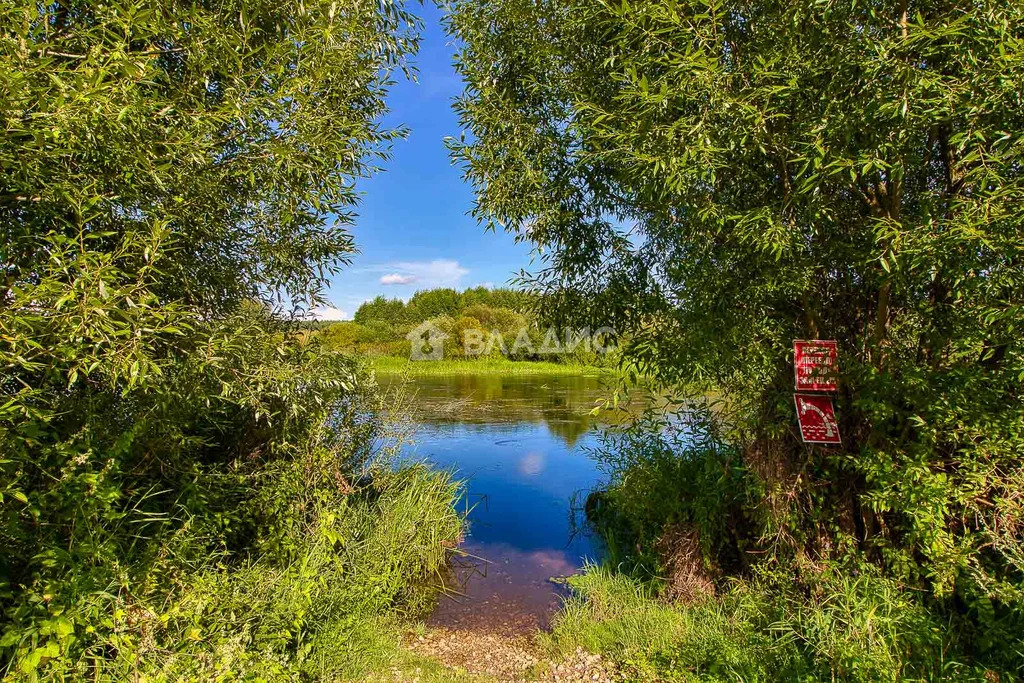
{"points": [[326, 611], [665, 476], [323, 610], [458, 330], [345, 336], [205, 501], [492, 318]]}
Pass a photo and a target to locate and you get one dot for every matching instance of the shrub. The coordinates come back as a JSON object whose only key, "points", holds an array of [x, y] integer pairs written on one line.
{"points": [[323, 610], [666, 475], [345, 336], [458, 330]]}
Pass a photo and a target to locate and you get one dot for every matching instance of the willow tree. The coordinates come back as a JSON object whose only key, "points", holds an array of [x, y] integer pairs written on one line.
{"points": [[170, 170], [717, 178]]}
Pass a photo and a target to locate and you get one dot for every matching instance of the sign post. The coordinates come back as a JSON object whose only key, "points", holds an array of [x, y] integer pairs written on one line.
{"points": [[816, 363], [817, 417], [816, 366]]}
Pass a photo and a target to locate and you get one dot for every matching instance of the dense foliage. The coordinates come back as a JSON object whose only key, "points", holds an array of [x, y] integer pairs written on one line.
{"points": [[174, 459], [431, 303], [715, 179]]}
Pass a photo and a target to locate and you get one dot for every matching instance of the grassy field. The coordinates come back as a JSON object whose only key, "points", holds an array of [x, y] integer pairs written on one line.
{"points": [[482, 366]]}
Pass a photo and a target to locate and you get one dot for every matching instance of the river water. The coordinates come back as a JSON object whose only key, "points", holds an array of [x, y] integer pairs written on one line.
{"points": [[521, 445]]}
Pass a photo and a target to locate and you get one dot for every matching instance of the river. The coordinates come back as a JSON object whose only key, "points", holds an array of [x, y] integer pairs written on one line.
{"points": [[521, 444]]}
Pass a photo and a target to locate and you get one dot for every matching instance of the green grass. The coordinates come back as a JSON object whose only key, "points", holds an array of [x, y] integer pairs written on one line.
{"points": [[482, 366], [611, 614], [834, 627], [623, 620]]}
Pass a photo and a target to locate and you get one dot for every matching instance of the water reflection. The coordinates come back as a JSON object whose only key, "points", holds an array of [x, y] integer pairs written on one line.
{"points": [[562, 404], [521, 443]]}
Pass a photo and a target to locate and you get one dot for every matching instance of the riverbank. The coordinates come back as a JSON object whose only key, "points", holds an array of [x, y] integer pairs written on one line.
{"points": [[484, 366]]}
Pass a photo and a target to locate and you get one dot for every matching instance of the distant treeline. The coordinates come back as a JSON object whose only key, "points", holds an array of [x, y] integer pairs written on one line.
{"points": [[443, 301], [505, 319]]}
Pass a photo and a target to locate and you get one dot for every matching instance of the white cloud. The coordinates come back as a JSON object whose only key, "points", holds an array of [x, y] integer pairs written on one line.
{"points": [[532, 464], [436, 273], [397, 279], [329, 313], [426, 274]]}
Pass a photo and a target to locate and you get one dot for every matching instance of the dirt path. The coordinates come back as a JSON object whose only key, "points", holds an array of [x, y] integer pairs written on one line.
{"points": [[507, 657]]}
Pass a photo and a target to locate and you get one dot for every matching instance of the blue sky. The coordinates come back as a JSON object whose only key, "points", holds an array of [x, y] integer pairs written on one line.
{"points": [[414, 230]]}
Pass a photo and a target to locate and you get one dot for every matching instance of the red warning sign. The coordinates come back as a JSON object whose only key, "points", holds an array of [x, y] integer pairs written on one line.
{"points": [[817, 418], [817, 364]]}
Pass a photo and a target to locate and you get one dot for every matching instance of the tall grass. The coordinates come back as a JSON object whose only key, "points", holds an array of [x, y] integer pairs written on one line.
{"points": [[335, 611], [846, 627]]}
